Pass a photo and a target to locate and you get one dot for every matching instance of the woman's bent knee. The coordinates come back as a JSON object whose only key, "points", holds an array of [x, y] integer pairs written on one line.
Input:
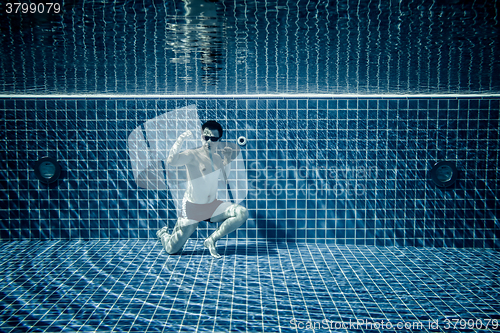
{"points": [[174, 248], [182, 232], [242, 212], [171, 252]]}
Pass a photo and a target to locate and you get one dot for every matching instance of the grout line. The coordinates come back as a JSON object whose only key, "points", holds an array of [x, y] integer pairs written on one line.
{"points": [[244, 96]]}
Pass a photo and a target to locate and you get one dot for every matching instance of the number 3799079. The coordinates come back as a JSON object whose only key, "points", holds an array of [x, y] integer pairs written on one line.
{"points": [[40, 8]]}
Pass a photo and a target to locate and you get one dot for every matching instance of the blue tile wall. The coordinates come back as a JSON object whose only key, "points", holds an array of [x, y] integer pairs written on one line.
{"points": [[345, 171]]}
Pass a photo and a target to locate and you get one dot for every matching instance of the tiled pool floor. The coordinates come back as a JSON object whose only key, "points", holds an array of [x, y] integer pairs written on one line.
{"points": [[133, 285]]}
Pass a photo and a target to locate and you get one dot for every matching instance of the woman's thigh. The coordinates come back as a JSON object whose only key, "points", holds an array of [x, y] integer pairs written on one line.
{"points": [[224, 211]]}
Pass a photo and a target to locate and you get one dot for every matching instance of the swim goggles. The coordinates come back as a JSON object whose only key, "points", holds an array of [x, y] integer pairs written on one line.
{"points": [[211, 138]]}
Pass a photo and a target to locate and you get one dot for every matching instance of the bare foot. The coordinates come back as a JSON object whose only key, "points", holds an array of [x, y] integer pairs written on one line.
{"points": [[209, 244], [164, 240], [164, 237]]}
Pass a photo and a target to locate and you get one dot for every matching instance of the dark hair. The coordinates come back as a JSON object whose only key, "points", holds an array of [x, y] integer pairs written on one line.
{"points": [[213, 125]]}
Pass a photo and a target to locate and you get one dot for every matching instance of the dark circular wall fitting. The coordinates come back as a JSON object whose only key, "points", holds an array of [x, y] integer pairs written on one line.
{"points": [[444, 173], [47, 170], [242, 141]]}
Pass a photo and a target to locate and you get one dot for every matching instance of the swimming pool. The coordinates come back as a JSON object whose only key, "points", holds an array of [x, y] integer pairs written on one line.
{"points": [[346, 108], [252, 47]]}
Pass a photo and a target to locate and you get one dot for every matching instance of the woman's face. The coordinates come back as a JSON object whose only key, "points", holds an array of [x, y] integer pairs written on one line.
{"points": [[206, 139]]}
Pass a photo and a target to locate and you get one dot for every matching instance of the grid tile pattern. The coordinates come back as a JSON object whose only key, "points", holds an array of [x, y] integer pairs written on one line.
{"points": [[349, 171], [242, 47], [257, 287]]}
